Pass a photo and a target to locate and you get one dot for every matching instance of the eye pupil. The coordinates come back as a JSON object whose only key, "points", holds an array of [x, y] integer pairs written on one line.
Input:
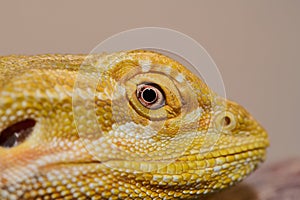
{"points": [[149, 95]]}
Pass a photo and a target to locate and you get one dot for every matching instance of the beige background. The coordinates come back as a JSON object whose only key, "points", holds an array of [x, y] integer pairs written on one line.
{"points": [[254, 43]]}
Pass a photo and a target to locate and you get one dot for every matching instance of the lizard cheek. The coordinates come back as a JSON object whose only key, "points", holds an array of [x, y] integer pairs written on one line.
{"points": [[16, 133]]}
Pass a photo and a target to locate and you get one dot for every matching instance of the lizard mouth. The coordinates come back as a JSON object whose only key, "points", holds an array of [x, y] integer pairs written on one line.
{"points": [[214, 160], [229, 156], [248, 152]]}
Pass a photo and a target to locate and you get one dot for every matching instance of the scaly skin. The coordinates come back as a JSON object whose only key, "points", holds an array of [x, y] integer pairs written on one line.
{"points": [[92, 138]]}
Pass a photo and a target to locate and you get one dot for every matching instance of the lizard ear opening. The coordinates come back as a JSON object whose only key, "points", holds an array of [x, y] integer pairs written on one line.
{"points": [[16, 133]]}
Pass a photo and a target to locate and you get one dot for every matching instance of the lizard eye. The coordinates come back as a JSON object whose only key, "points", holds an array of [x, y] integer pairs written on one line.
{"points": [[150, 95]]}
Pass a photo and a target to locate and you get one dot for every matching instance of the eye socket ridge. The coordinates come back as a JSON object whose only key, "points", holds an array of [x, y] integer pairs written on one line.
{"points": [[150, 95]]}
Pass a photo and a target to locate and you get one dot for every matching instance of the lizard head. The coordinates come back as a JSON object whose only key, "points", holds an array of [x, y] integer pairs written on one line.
{"points": [[127, 125]]}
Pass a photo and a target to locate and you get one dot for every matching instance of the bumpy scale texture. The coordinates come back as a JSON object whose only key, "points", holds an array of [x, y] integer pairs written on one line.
{"points": [[87, 136]]}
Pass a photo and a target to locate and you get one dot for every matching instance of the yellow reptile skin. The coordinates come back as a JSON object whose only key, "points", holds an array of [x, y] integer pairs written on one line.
{"points": [[195, 144]]}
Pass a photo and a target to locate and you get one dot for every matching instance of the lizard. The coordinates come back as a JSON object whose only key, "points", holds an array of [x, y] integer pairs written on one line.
{"points": [[143, 127]]}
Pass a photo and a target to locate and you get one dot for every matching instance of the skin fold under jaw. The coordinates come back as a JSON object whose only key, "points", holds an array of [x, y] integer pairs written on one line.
{"points": [[127, 125]]}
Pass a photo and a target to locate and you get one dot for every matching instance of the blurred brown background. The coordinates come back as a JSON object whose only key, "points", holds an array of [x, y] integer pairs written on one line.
{"points": [[254, 43]]}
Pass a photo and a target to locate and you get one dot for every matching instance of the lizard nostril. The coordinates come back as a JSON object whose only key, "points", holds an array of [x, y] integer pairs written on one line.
{"points": [[226, 121], [16, 133]]}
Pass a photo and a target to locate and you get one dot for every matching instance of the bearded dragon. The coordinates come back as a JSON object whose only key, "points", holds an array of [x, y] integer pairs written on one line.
{"points": [[127, 125]]}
